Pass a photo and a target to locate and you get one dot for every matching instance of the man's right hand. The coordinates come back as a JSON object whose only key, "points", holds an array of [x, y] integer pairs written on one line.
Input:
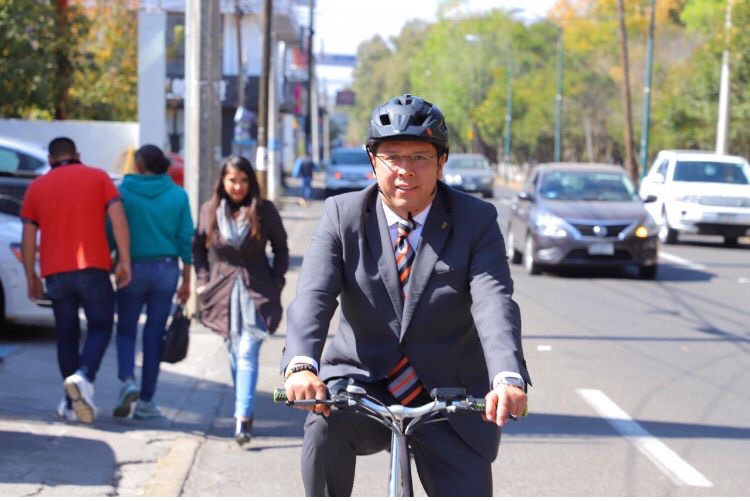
{"points": [[35, 287], [306, 385], [122, 274]]}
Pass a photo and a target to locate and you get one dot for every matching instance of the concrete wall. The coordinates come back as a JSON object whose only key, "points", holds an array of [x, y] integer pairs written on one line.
{"points": [[101, 144]]}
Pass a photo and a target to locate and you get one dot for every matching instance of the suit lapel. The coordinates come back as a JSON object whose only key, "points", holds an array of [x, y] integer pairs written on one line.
{"points": [[379, 241], [434, 235]]}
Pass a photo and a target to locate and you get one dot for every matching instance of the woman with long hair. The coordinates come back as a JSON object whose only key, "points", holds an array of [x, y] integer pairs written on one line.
{"points": [[239, 291]]}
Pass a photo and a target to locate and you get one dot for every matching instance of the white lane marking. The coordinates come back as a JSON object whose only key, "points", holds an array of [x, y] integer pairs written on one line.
{"points": [[681, 261], [743, 280], [676, 468], [544, 347]]}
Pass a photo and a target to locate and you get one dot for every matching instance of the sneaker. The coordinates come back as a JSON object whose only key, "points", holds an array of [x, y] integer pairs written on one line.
{"points": [[128, 395], [146, 410], [81, 393], [242, 433], [65, 411]]}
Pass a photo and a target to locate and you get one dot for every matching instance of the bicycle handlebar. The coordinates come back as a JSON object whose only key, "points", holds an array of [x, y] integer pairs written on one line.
{"points": [[346, 400]]}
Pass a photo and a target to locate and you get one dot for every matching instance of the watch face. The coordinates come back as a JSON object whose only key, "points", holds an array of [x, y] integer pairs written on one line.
{"points": [[514, 381]]}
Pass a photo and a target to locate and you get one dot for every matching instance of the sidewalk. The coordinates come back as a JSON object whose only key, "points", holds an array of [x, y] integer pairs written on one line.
{"points": [[42, 455]]}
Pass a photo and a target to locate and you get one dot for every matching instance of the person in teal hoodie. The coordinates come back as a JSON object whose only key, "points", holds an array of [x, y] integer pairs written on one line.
{"points": [[161, 231]]}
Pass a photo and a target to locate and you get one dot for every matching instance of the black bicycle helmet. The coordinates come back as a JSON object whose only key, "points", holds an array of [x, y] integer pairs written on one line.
{"points": [[408, 117]]}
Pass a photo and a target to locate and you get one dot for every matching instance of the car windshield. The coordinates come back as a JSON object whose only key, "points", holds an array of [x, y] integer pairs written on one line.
{"points": [[350, 157], [711, 172], [468, 164], [588, 186]]}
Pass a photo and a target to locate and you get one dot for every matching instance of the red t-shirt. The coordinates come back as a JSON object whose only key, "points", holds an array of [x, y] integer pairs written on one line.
{"points": [[69, 205]]}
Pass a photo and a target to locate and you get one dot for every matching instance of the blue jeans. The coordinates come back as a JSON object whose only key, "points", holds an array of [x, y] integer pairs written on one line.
{"points": [[153, 285], [307, 187], [90, 289], [243, 358]]}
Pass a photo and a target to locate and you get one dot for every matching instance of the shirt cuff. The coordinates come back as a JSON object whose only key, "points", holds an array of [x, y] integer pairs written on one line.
{"points": [[302, 360], [500, 378]]}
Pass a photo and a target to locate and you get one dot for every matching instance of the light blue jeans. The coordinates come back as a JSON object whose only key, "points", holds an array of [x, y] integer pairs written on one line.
{"points": [[246, 333], [244, 351]]}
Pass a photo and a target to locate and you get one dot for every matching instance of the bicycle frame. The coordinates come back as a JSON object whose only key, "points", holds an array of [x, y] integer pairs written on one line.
{"points": [[394, 418]]}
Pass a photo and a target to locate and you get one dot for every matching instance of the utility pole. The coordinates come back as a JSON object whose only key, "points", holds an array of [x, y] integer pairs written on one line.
{"points": [[630, 165], [240, 60], [261, 160], [722, 126], [559, 96], [647, 93], [310, 77], [202, 100], [272, 175], [152, 67], [202, 104]]}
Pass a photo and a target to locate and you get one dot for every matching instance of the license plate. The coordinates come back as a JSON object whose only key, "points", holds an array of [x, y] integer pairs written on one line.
{"points": [[726, 218], [470, 186], [602, 249]]}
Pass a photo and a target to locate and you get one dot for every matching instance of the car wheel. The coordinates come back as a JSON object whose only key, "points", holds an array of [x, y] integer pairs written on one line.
{"points": [[647, 272], [667, 234], [510, 247], [488, 194], [730, 241], [532, 267]]}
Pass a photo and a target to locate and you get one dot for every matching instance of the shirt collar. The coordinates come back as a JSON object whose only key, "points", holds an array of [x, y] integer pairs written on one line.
{"points": [[392, 218]]}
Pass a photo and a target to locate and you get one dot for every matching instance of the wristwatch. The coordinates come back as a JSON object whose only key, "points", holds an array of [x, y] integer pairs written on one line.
{"points": [[513, 381]]}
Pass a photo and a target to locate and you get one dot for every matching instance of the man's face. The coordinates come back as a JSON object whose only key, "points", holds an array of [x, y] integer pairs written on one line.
{"points": [[407, 173]]}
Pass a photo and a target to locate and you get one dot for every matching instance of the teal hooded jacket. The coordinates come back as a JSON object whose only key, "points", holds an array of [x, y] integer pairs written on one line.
{"points": [[159, 218]]}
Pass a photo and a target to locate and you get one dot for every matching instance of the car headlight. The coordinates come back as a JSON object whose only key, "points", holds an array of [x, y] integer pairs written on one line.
{"points": [[453, 178], [549, 225], [647, 228], [689, 199]]}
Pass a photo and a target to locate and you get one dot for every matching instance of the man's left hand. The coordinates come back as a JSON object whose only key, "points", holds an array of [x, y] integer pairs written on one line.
{"points": [[504, 401]]}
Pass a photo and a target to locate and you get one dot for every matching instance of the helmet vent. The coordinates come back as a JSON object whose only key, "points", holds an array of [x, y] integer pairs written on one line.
{"points": [[420, 119], [385, 119]]}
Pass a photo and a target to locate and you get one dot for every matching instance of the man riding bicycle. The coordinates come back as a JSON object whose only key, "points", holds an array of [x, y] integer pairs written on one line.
{"points": [[426, 302]]}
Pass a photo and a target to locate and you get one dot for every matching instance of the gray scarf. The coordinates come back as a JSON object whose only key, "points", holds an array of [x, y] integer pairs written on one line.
{"points": [[232, 229]]}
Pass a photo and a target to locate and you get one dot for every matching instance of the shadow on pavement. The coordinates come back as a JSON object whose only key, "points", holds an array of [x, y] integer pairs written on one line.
{"points": [[666, 273], [557, 425], [94, 460]]}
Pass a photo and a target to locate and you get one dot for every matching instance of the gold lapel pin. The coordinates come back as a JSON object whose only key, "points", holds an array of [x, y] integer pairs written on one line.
{"points": [[444, 225]]}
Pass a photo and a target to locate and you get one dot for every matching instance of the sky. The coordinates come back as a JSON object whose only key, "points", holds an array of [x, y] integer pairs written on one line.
{"points": [[340, 25]]}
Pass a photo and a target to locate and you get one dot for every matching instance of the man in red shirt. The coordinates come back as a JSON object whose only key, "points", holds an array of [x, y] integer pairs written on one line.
{"points": [[69, 205]]}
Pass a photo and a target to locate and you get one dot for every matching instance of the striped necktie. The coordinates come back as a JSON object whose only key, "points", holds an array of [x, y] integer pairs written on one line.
{"points": [[402, 379]]}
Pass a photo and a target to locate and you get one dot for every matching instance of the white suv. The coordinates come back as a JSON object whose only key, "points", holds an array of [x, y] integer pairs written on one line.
{"points": [[699, 192]]}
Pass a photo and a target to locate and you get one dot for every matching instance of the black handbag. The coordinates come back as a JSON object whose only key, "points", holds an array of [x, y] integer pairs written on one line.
{"points": [[176, 337]]}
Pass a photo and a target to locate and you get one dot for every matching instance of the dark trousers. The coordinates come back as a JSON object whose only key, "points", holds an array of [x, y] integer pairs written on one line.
{"points": [[90, 289], [445, 464]]}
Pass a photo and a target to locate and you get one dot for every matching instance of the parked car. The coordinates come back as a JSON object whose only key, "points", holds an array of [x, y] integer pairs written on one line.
{"points": [[20, 163], [699, 192], [15, 305], [571, 214], [349, 169], [469, 172]]}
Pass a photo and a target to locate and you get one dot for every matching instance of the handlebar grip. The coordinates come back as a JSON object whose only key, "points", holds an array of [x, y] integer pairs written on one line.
{"points": [[279, 395], [478, 404]]}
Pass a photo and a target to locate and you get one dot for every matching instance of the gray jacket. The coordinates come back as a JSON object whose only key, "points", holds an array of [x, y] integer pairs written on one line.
{"points": [[459, 326]]}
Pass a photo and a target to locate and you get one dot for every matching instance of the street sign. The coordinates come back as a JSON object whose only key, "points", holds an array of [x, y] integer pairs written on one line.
{"points": [[336, 60]]}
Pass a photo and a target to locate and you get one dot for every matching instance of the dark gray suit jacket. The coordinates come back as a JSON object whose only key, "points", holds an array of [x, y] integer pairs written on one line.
{"points": [[459, 326]]}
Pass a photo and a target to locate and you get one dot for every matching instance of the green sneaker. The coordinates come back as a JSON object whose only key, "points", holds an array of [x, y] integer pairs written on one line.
{"points": [[128, 394], [146, 410]]}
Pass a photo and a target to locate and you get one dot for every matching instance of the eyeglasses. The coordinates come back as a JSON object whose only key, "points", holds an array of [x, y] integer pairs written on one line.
{"points": [[398, 160]]}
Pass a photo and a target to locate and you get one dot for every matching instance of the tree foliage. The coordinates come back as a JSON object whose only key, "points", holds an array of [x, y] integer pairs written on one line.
{"points": [[74, 59], [462, 63]]}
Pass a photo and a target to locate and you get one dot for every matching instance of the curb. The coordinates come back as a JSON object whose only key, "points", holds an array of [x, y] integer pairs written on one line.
{"points": [[172, 469]]}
